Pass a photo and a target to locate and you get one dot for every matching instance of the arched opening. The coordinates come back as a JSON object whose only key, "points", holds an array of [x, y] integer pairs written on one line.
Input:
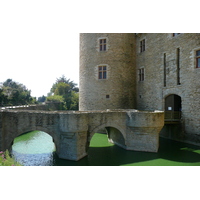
{"points": [[173, 107], [34, 148], [115, 136], [105, 147], [113, 133]]}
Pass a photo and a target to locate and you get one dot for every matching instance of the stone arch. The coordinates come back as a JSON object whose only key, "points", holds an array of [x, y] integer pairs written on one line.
{"points": [[8, 142], [116, 134], [168, 92], [95, 130], [174, 101]]}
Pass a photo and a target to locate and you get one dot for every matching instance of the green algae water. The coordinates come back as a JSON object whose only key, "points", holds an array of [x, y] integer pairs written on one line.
{"points": [[37, 149]]}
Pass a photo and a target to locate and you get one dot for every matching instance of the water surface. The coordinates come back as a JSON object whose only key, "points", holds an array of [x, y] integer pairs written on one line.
{"points": [[37, 149]]}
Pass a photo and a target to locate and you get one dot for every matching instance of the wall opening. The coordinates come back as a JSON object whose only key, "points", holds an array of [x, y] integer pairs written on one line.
{"points": [[115, 136], [35, 148], [104, 147], [173, 107], [107, 136]]}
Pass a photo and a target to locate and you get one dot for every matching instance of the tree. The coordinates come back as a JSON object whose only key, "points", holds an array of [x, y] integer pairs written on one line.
{"points": [[13, 93], [63, 79], [55, 99], [67, 89], [41, 99]]}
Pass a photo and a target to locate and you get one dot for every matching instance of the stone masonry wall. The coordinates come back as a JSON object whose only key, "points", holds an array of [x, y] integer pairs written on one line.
{"points": [[117, 91], [151, 92]]}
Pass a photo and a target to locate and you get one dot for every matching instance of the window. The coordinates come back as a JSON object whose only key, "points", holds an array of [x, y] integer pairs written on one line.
{"points": [[102, 72], [142, 46], [164, 64], [198, 59], [102, 45], [175, 34], [141, 74], [178, 65]]}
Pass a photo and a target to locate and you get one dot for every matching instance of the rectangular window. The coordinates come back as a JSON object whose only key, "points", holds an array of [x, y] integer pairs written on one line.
{"points": [[178, 66], [164, 64], [102, 45], [175, 34], [142, 46], [198, 59], [141, 74], [102, 72]]}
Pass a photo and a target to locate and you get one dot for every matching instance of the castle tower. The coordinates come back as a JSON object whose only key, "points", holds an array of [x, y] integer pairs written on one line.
{"points": [[107, 71]]}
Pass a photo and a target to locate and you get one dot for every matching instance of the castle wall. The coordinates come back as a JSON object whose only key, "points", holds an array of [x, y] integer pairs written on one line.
{"points": [[151, 92], [118, 89]]}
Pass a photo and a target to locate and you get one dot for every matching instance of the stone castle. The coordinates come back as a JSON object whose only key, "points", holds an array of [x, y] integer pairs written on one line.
{"points": [[144, 71]]}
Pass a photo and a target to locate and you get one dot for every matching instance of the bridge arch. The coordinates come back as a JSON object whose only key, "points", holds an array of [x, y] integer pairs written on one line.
{"points": [[9, 141], [114, 132]]}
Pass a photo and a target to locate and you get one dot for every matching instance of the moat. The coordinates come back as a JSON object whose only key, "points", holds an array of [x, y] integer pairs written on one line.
{"points": [[37, 149]]}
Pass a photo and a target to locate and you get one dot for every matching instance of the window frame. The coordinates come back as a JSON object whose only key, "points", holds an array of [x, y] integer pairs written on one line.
{"points": [[102, 72], [175, 34], [197, 58], [102, 44], [141, 74], [142, 45]]}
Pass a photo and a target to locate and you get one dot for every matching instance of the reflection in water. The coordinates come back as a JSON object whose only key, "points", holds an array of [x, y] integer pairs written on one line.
{"points": [[37, 149], [34, 149]]}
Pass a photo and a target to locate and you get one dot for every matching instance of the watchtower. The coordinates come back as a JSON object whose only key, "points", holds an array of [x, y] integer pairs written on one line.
{"points": [[107, 71]]}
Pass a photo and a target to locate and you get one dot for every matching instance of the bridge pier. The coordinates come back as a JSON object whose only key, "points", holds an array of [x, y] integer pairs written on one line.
{"points": [[143, 130], [73, 145]]}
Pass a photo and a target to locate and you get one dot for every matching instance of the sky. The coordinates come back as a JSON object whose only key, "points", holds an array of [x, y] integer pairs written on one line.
{"points": [[37, 44], [39, 40]]}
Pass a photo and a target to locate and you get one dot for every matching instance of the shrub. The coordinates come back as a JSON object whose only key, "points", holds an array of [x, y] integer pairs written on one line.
{"points": [[6, 160]]}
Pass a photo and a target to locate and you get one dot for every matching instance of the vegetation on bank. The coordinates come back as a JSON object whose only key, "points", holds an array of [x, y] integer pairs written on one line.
{"points": [[13, 93], [6, 160], [64, 91]]}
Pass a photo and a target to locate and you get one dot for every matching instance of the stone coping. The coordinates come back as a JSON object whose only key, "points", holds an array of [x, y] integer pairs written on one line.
{"points": [[80, 112]]}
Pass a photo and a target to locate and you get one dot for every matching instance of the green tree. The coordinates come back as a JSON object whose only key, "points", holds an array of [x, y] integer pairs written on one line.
{"points": [[67, 89], [55, 99], [13, 93], [41, 99]]}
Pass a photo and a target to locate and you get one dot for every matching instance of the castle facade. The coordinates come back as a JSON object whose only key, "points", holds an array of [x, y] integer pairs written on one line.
{"points": [[144, 71]]}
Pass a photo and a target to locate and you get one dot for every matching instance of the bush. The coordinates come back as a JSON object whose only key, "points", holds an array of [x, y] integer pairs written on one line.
{"points": [[6, 160]]}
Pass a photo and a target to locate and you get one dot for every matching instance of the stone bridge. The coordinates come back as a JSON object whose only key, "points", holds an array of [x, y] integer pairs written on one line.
{"points": [[72, 131]]}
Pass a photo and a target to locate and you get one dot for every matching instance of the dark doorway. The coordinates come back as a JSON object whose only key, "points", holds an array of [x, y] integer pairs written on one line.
{"points": [[173, 103], [172, 108]]}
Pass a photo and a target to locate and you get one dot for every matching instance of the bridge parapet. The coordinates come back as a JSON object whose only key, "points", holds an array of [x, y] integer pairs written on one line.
{"points": [[72, 130]]}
